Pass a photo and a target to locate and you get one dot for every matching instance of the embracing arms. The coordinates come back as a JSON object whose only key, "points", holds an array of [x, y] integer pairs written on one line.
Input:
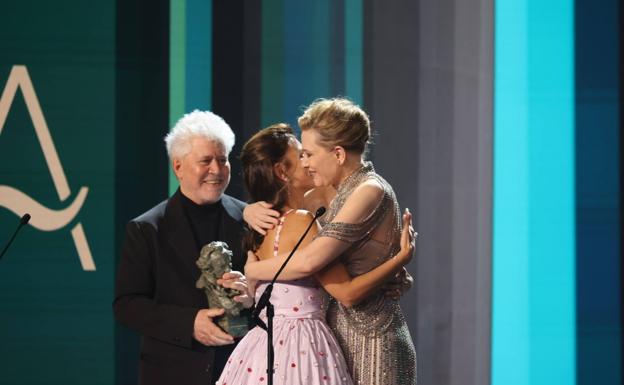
{"points": [[320, 252], [314, 255], [335, 278], [348, 290]]}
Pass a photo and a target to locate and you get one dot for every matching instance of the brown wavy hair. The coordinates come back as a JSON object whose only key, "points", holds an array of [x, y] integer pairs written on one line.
{"points": [[258, 156]]}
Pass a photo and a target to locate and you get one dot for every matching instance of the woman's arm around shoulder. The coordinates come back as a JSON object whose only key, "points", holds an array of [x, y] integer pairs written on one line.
{"points": [[311, 256], [348, 290]]}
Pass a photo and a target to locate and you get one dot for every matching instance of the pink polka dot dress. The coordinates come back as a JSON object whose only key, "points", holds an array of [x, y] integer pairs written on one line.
{"points": [[306, 351]]}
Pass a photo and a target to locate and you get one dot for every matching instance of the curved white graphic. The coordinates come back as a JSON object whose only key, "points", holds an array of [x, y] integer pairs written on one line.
{"points": [[42, 218], [20, 203]]}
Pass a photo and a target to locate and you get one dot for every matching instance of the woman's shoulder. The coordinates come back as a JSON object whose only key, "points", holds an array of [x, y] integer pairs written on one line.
{"points": [[299, 216], [297, 221], [370, 190], [372, 187], [365, 182], [373, 184], [363, 200], [295, 224]]}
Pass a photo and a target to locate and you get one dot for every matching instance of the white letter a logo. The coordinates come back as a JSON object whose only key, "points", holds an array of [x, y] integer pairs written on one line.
{"points": [[19, 203]]}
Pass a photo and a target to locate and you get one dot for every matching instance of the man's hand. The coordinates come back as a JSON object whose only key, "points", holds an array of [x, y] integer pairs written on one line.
{"points": [[236, 280], [260, 217], [207, 332]]}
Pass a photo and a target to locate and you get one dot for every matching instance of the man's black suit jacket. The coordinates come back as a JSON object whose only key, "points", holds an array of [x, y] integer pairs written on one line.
{"points": [[155, 291]]}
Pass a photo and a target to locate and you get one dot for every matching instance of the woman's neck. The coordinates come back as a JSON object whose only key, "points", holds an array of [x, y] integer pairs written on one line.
{"points": [[351, 165]]}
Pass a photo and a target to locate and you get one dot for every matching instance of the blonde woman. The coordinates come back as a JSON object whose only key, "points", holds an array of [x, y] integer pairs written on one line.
{"points": [[306, 351], [361, 230]]}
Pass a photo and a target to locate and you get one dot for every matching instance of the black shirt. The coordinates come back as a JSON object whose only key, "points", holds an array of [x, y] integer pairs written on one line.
{"points": [[206, 224], [205, 221]]}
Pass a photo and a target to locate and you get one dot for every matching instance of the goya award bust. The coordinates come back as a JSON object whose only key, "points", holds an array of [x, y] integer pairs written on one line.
{"points": [[215, 259]]}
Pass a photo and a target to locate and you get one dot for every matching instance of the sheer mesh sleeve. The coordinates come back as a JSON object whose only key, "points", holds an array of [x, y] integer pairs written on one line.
{"points": [[353, 232]]}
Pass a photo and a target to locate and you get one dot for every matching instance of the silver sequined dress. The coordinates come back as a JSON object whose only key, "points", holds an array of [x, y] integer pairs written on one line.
{"points": [[374, 337]]}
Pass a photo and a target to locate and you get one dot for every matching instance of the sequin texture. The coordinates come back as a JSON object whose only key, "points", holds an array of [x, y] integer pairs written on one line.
{"points": [[373, 335]]}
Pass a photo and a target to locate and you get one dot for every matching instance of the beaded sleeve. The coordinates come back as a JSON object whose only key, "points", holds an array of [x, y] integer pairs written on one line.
{"points": [[354, 232]]}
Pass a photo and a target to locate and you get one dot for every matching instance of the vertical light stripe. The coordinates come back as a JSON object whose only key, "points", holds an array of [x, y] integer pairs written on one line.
{"points": [[533, 318], [551, 193], [177, 63], [272, 62], [198, 74], [354, 28], [306, 55], [598, 189], [337, 46], [510, 308]]}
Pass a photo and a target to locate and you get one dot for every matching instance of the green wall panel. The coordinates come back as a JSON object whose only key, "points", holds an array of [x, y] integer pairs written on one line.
{"points": [[56, 143]]}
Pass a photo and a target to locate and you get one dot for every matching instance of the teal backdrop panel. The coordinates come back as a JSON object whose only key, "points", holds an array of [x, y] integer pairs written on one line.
{"points": [[533, 305], [198, 55], [177, 71], [598, 191], [190, 71], [309, 50], [354, 50], [57, 163]]}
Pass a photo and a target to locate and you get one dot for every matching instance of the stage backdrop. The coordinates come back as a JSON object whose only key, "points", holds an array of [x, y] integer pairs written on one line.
{"points": [[57, 111], [498, 122]]}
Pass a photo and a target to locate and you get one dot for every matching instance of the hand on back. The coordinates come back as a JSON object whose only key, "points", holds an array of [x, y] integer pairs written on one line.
{"points": [[260, 217]]}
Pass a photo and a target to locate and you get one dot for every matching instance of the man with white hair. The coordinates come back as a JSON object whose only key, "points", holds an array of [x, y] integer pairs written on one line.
{"points": [[155, 291]]}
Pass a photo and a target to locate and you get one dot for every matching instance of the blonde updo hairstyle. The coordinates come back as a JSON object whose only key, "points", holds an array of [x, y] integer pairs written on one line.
{"points": [[338, 122]]}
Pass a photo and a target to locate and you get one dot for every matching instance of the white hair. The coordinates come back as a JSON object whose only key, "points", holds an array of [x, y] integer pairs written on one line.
{"points": [[198, 124]]}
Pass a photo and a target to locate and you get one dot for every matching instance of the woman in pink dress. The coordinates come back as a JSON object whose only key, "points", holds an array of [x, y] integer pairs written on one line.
{"points": [[306, 351], [362, 230]]}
